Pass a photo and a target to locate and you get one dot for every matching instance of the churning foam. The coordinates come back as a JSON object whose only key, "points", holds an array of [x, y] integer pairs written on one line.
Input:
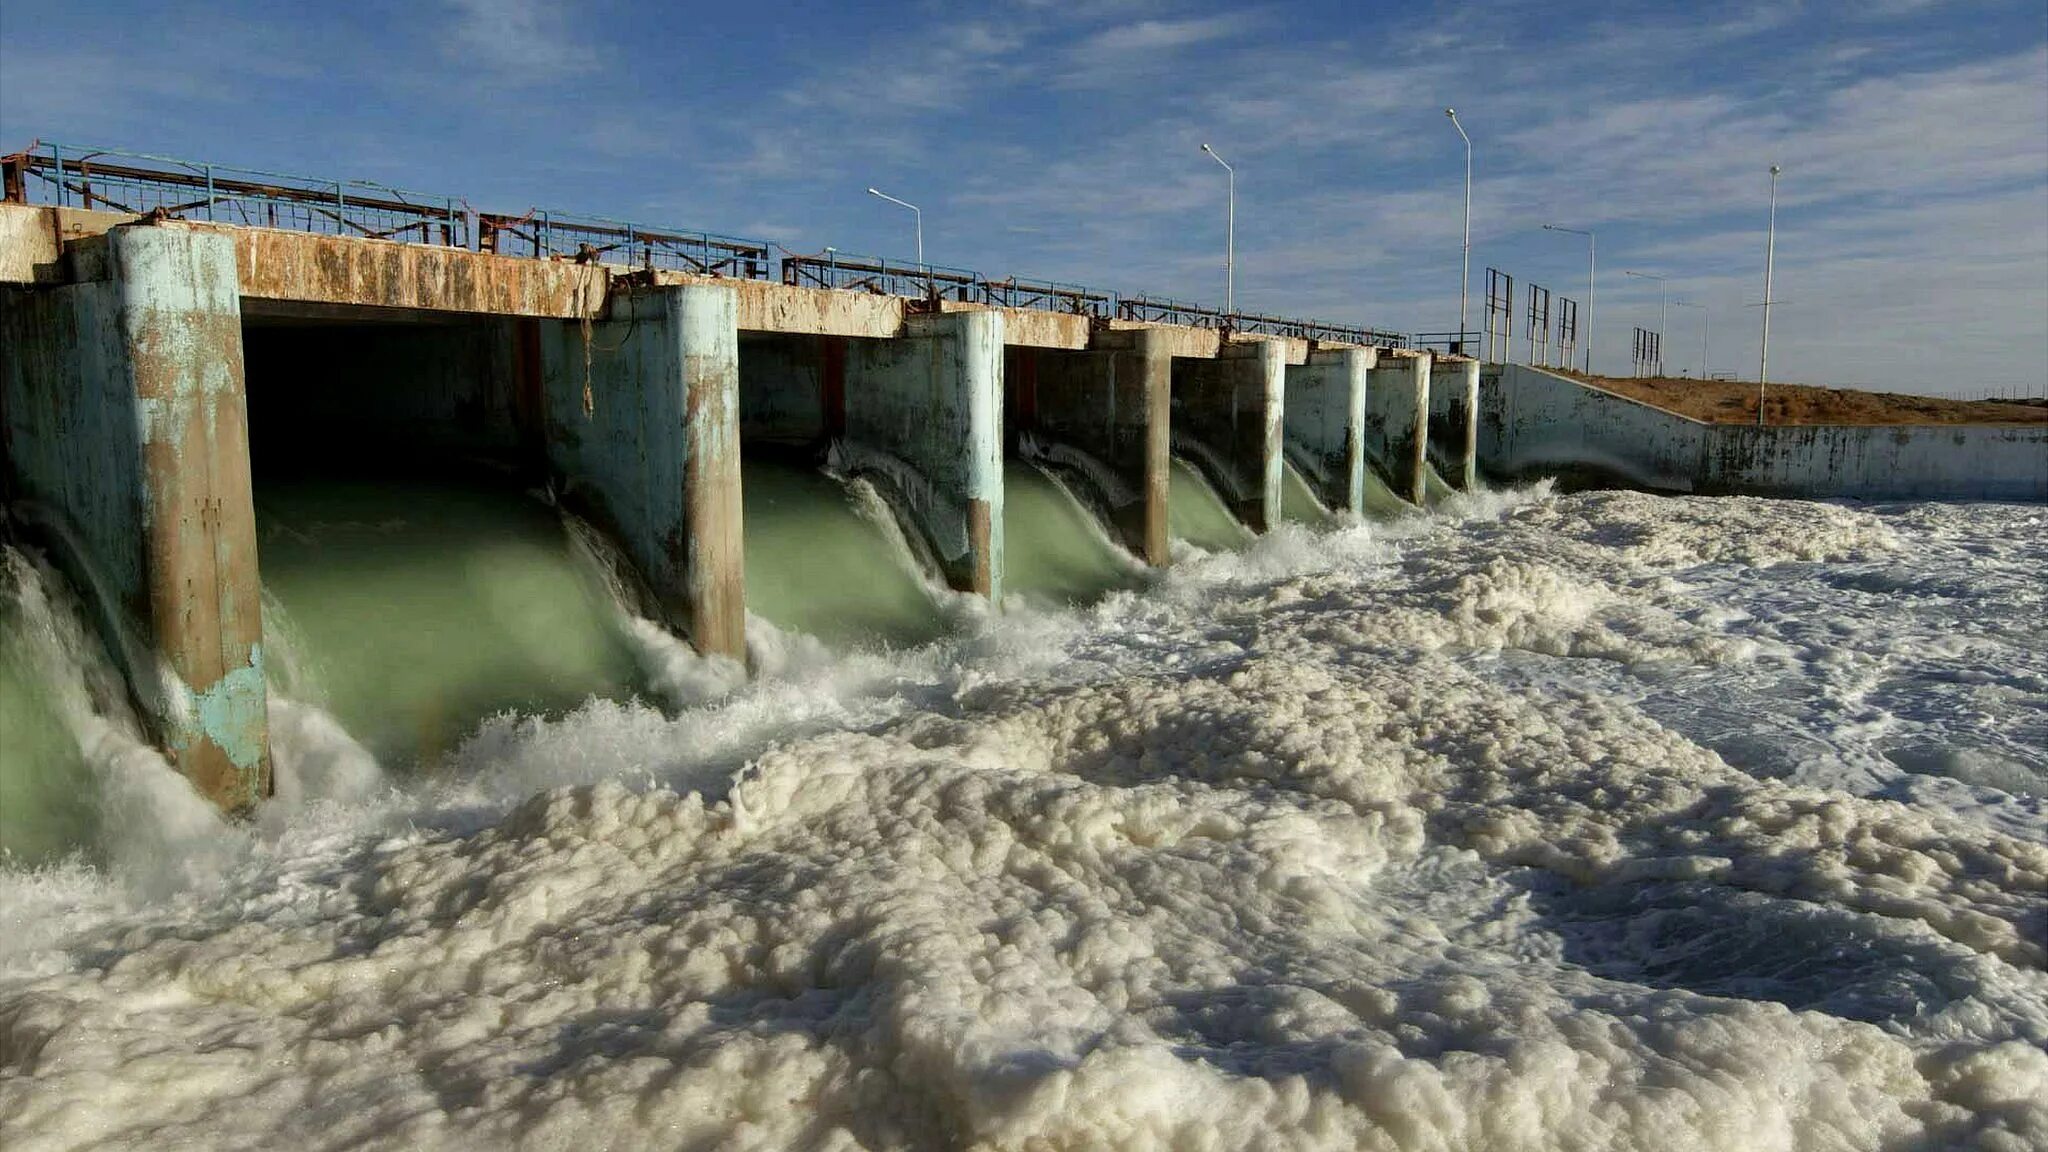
{"points": [[1578, 821]]}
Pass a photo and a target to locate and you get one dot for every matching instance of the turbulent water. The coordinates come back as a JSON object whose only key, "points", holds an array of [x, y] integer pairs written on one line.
{"points": [[1056, 552], [1298, 502], [824, 558], [1600, 821], [410, 611], [1196, 514]]}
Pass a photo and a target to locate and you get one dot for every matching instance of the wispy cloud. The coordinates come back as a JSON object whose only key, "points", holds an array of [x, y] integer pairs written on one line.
{"points": [[517, 41]]}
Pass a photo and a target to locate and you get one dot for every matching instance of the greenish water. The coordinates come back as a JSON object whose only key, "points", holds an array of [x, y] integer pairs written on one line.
{"points": [[819, 562], [1195, 513], [1381, 503], [412, 611], [47, 793], [1435, 489], [1298, 501], [1052, 547]]}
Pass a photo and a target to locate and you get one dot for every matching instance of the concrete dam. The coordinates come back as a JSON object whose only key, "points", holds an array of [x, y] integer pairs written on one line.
{"points": [[178, 344]]}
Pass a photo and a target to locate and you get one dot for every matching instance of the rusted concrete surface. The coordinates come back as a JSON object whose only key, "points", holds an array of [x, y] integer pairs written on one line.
{"points": [[1535, 423], [32, 238], [1228, 415], [1454, 419], [1325, 424], [127, 438], [923, 418], [1397, 421], [279, 265], [641, 424]]}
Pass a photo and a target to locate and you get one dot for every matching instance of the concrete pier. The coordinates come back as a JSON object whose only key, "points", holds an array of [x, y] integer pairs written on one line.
{"points": [[1227, 419], [1453, 442], [126, 435], [1324, 429], [1397, 421], [1101, 418], [642, 426], [924, 412]]}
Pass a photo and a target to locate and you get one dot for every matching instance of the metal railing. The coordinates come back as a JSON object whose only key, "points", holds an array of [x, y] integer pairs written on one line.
{"points": [[882, 277], [596, 239], [1049, 296], [1317, 330], [140, 183], [1456, 343]]}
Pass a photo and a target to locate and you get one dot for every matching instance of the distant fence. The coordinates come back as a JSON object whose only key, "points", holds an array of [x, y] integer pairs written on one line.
{"points": [[141, 183]]}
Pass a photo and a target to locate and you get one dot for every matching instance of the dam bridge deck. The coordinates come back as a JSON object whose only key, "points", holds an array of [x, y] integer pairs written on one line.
{"points": [[127, 184]]}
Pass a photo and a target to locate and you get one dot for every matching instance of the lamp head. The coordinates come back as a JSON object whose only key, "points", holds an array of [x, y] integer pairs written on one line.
{"points": [[1775, 169], [874, 192], [1209, 150], [1451, 112]]}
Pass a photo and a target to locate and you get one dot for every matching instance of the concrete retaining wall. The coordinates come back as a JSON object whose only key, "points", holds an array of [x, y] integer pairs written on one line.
{"points": [[1536, 423], [126, 438]]}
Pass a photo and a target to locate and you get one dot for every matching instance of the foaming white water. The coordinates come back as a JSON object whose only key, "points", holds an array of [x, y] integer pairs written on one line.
{"points": [[1554, 822]]}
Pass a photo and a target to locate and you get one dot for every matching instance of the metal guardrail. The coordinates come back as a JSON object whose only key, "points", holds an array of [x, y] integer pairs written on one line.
{"points": [[1457, 343], [142, 183], [596, 239], [1049, 296], [138, 182], [882, 277]]}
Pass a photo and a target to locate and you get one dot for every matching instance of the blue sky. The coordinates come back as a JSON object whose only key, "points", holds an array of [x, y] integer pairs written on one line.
{"points": [[1061, 139]]}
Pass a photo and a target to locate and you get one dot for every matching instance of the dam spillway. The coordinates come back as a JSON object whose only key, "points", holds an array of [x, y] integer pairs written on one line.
{"points": [[151, 360]]}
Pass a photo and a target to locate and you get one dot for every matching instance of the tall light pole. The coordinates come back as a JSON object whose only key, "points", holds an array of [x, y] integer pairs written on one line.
{"points": [[1663, 313], [1763, 356], [1592, 262], [1465, 274], [1229, 238], [915, 210], [1703, 331]]}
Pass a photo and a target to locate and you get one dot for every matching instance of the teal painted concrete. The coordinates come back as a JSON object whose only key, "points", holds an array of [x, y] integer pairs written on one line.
{"points": [[127, 444], [641, 423], [1325, 424], [924, 415]]}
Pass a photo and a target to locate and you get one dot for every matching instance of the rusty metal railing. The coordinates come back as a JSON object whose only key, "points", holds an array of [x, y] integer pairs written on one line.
{"points": [[1049, 296], [834, 269], [595, 239], [137, 182]]}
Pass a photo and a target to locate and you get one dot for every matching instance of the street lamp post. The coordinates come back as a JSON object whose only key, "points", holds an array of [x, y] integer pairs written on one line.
{"points": [[1663, 313], [1703, 331], [1763, 356], [1229, 238], [1592, 262], [915, 211], [1465, 271]]}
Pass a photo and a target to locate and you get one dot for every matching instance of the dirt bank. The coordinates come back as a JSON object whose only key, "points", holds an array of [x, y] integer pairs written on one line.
{"points": [[1734, 402]]}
